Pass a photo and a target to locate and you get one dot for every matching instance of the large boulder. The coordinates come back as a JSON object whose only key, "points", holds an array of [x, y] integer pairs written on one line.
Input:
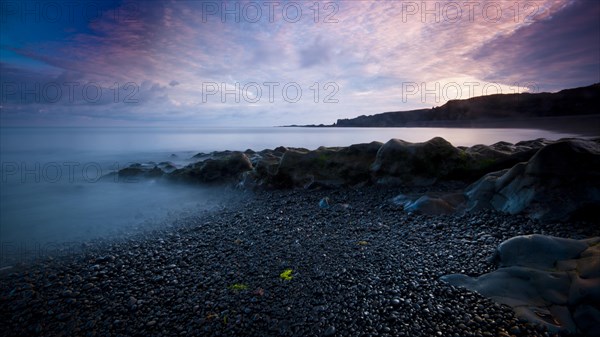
{"points": [[547, 280], [482, 159], [227, 167], [325, 166], [265, 165], [416, 164], [561, 181]]}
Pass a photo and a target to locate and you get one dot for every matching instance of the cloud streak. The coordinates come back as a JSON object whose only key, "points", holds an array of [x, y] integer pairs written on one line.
{"points": [[360, 54]]}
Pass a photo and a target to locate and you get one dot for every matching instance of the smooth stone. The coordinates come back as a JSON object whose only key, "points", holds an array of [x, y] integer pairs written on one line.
{"points": [[330, 331]]}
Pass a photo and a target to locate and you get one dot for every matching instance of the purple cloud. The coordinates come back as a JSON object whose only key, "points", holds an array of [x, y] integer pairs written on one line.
{"points": [[369, 53]]}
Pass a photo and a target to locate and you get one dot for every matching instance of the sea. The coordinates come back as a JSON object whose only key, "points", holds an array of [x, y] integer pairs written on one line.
{"points": [[52, 194]]}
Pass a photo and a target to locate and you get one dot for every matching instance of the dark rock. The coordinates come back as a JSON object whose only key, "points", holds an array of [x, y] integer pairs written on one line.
{"points": [[415, 164], [139, 171], [538, 251], [167, 166], [330, 331], [430, 206], [587, 318], [267, 165], [482, 159], [280, 150], [324, 166], [104, 259], [561, 181], [224, 168], [541, 278], [435, 204]]}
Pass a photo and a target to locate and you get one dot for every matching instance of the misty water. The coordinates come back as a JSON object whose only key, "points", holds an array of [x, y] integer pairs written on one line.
{"points": [[51, 192]]}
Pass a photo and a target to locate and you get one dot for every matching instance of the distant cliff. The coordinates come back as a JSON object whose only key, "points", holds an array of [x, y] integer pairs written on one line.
{"points": [[569, 102]]}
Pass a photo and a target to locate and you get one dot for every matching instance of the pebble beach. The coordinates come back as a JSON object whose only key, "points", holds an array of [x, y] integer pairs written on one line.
{"points": [[277, 263]]}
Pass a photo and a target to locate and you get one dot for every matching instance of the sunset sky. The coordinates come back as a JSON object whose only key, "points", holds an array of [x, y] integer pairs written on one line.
{"points": [[152, 63]]}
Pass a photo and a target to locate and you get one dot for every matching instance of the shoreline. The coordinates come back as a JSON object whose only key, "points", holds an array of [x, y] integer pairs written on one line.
{"points": [[585, 125], [361, 266], [336, 241]]}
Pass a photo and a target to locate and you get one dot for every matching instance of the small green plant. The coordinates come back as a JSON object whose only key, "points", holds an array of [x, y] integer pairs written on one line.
{"points": [[286, 274], [238, 287]]}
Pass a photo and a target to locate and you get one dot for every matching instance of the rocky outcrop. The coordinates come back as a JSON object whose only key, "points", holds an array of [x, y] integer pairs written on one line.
{"points": [[325, 166], [422, 164], [395, 163], [227, 167], [547, 180], [561, 181], [403, 163], [483, 159], [166, 166], [547, 280], [137, 171]]}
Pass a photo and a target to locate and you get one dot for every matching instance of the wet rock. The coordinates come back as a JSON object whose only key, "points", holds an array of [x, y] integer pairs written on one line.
{"points": [[539, 251], [330, 331], [561, 181], [482, 159], [415, 164], [139, 171], [325, 166], [431, 205], [540, 278], [167, 166], [224, 168], [587, 318]]}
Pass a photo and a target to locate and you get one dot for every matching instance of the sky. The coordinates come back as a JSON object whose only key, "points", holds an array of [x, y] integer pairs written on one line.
{"points": [[268, 63]]}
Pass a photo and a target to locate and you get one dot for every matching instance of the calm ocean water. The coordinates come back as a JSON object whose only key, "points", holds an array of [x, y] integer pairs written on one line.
{"points": [[50, 191]]}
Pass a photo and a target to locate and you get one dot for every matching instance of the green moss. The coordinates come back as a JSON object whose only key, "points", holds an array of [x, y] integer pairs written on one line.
{"points": [[286, 275], [487, 162], [238, 287], [322, 159], [462, 155]]}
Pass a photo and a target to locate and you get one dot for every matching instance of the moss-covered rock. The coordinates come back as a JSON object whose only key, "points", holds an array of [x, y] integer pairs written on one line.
{"points": [[225, 168], [417, 164], [325, 166]]}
